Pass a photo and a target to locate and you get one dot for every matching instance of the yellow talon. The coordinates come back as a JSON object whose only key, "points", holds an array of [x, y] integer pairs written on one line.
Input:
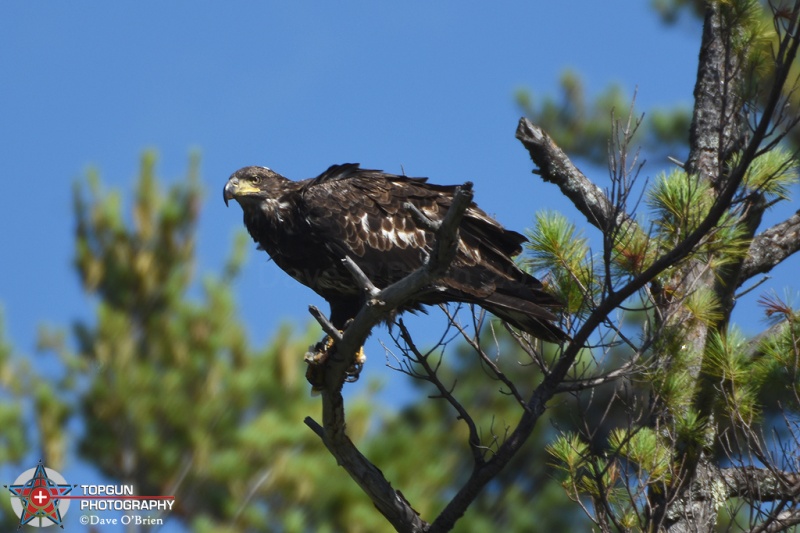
{"points": [[318, 354], [361, 357]]}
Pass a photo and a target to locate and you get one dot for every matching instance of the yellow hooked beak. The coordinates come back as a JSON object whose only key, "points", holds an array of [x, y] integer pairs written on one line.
{"points": [[236, 187]]}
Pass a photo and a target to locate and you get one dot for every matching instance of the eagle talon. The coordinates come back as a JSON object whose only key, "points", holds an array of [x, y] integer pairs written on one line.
{"points": [[352, 373], [315, 375], [318, 354]]}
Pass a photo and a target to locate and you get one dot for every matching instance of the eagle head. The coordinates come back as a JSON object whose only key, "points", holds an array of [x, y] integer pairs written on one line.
{"points": [[253, 183]]}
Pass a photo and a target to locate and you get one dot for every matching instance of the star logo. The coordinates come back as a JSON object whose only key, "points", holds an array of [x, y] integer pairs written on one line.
{"points": [[36, 494]]}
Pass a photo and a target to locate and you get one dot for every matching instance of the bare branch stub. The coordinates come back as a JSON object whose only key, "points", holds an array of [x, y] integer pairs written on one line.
{"points": [[554, 166], [326, 325], [770, 247], [446, 243], [420, 218], [765, 484], [363, 281]]}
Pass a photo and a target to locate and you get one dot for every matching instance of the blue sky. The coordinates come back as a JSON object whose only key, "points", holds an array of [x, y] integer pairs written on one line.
{"points": [[424, 87], [421, 87]]}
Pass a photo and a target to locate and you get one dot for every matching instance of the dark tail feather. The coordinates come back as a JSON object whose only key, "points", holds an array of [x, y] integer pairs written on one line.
{"points": [[525, 315]]}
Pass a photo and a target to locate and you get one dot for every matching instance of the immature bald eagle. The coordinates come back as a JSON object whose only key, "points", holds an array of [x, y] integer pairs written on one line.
{"points": [[309, 226]]}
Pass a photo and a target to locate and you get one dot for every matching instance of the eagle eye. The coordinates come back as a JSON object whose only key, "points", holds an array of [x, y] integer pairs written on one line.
{"points": [[256, 179]]}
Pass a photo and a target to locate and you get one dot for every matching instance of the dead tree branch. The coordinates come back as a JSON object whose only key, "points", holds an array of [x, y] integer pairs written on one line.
{"points": [[555, 167], [770, 247], [762, 484]]}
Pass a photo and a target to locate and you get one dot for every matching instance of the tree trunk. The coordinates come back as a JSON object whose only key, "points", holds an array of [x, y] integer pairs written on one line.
{"points": [[716, 133]]}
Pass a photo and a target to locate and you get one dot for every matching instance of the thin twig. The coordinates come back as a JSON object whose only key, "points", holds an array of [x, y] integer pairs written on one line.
{"points": [[445, 393]]}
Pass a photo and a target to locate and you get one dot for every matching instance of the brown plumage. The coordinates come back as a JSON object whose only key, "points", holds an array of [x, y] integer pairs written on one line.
{"points": [[308, 226]]}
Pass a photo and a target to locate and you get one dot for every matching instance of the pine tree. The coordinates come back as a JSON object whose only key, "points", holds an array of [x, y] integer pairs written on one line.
{"points": [[174, 400], [674, 421]]}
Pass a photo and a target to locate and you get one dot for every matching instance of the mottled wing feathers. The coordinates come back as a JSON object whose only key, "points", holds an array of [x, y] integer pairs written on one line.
{"points": [[365, 208], [307, 227], [361, 213]]}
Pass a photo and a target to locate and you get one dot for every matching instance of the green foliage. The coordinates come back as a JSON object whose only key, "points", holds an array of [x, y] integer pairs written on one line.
{"points": [[646, 449], [777, 356], [557, 248], [670, 10], [752, 37], [148, 267], [728, 357], [631, 460], [679, 203], [632, 251], [570, 453], [175, 400], [636, 456], [773, 173], [14, 380], [582, 127], [14, 437], [173, 397], [690, 430]]}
